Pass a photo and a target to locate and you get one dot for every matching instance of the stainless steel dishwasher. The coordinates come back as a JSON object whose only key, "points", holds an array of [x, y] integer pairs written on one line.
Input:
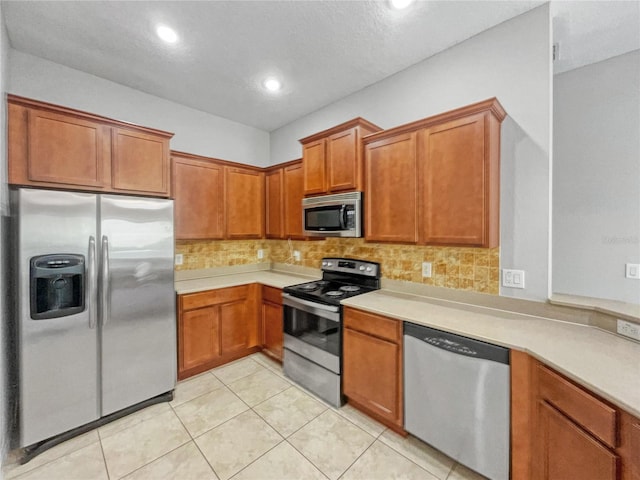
{"points": [[457, 397]]}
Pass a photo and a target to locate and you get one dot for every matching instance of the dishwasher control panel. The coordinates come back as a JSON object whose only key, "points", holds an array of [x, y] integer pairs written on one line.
{"points": [[468, 347], [450, 345]]}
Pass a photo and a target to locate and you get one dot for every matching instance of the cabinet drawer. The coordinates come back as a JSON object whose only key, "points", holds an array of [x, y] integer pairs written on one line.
{"points": [[271, 294], [375, 325], [590, 413], [213, 297]]}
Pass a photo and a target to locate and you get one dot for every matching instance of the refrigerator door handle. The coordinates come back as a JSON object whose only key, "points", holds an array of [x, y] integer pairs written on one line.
{"points": [[106, 287], [93, 284]]}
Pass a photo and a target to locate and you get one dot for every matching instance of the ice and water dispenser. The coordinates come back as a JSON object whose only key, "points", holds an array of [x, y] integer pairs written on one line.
{"points": [[57, 285]]}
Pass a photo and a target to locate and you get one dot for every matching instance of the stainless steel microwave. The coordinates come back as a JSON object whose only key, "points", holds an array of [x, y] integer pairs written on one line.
{"points": [[338, 215]]}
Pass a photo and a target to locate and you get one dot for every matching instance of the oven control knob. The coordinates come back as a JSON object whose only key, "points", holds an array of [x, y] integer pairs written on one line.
{"points": [[362, 268], [324, 264], [329, 264], [369, 269]]}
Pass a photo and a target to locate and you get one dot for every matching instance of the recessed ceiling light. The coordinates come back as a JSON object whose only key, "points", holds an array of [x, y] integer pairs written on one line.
{"points": [[167, 34], [272, 84], [400, 4]]}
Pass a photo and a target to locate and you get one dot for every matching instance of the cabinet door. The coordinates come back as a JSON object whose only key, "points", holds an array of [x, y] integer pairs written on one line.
{"points": [[343, 166], [454, 178], [63, 149], [391, 196], [234, 327], [198, 337], [313, 162], [274, 227], [244, 203], [198, 193], [293, 194], [272, 329], [365, 358], [140, 162], [568, 452]]}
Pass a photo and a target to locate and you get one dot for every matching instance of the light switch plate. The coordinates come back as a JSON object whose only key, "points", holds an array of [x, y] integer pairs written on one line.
{"points": [[296, 255], [179, 259], [512, 278], [260, 254], [632, 270], [426, 269]]}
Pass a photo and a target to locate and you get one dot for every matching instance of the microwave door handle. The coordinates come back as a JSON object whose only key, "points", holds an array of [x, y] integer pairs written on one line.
{"points": [[343, 217]]}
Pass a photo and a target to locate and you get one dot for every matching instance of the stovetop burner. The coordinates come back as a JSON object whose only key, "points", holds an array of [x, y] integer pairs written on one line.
{"points": [[334, 293], [350, 288], [341, 278]]}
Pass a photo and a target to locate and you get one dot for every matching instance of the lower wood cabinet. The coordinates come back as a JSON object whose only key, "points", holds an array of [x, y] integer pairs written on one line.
{"points": [[215, 327], [372, 366], [272, 328], [561, 430], [567, 451]]}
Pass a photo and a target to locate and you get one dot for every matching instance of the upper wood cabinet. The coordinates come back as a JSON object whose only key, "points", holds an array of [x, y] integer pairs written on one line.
{"points": [[58, 147], [274, 202], [244, 202], [283, 200], [293, 195], [390, 190], [457, 170], [215, 199], [140, 162], [332, 159], [198, 190]]}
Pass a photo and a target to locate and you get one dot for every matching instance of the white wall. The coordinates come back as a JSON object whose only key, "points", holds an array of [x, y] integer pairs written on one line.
{"points": [[4, 212], [511, 62], [195, 131], [596, 185]]}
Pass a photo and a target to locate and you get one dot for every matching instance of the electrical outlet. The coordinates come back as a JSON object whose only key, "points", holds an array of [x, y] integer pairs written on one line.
{"points": [[632, 270], [426, 269], [260, 254], [629, 329], [179, 259], [513, 278], [296, 255]]}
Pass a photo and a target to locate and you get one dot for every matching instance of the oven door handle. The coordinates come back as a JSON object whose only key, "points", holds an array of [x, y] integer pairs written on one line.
{"points": [[295, 302]]}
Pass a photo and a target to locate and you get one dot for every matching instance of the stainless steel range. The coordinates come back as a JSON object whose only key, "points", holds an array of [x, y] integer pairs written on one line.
{"points": [[312, 324]]}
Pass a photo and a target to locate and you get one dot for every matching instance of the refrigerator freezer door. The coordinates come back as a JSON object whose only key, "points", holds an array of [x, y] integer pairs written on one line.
{"points": [[138, 300], [58, 357]]}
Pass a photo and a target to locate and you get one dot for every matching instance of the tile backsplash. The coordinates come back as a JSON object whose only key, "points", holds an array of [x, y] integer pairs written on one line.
{"points": [[461, 268]]}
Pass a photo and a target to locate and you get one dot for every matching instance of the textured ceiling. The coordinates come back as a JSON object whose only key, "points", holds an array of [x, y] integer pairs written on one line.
{"points": [[322, 50]]}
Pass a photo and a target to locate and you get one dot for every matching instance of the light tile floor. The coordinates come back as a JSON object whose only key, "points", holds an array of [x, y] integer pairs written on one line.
{"points": [[244, 420]]}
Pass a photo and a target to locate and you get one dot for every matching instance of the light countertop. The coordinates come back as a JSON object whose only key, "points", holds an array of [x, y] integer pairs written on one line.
{"points": [[265, 277], [607, 364]]}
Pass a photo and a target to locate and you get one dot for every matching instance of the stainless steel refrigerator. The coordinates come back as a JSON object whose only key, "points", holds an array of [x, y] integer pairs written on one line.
{"points": [[96, 321]]}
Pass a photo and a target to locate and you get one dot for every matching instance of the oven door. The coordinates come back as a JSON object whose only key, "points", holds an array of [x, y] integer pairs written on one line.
{"points": [[312, 330]]}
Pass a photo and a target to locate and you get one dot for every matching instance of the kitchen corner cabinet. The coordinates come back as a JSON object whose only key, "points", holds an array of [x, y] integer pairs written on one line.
{"points": [[455, 159], [283, 201], [216, 199], [198, 192], [272, 328], [57, 147], [274, 203], [332, 159], [244, 203], [215, 327], [372, 366], [561, 430]]}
